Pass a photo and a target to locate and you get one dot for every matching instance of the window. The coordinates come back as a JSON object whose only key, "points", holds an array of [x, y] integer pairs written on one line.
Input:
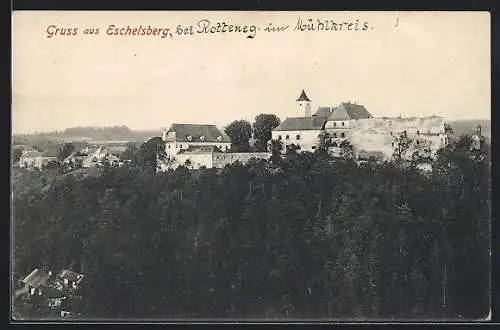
{"points": [[219, 138], [202, 138], [279, 137], [189, 138], [287, 137], [298, 137], [342, 123], [334, 124], [334, 135], [227, 147], [391, 133], [176, 145], [181, 146], [313, 147], [342, 135], [169, 146], [418, 142], [418, 132]]}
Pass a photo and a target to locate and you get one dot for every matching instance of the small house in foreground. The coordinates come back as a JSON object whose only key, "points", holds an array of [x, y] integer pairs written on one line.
{"points": [[36, 281]]}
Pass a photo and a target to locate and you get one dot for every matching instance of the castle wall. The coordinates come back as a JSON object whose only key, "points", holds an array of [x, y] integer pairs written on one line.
{"points": [[378, 134], [222, 159]]}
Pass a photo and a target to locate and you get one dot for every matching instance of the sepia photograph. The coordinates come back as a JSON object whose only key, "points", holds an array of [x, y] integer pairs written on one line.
{"points": [[260, 166]]}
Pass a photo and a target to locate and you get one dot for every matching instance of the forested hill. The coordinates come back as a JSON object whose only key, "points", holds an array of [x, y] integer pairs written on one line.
{"points": [[304, 236], [115, 133]]}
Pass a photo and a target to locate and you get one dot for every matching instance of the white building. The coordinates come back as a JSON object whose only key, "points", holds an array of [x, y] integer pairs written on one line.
{"points": [[353, 123], [302, 131], [182, 136]]}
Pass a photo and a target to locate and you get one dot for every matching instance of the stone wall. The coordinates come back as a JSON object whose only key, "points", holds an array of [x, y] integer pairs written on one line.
{"points": [[222, 159], [378, 134]]}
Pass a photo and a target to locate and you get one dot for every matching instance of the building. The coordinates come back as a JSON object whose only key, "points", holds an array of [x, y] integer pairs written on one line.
{"points": [[198, 145], [102, 156], [182, 136], [31, 158], [370, 137], [196, 157], [69, 279], [426, 135], [302, 131], [36, 281], [341, 118]]}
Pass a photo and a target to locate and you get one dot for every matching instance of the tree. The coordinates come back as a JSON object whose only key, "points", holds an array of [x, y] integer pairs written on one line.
{"points": [[402, 144], [151, 154], [275, 147], [262, 128], [131, 151], [346, 150], [17, 152], [66, 150], [324, 145], [240, 132]]}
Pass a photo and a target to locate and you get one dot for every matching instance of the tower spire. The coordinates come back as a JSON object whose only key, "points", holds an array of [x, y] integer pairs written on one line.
{"points": [[303, 97], [303, 105]]}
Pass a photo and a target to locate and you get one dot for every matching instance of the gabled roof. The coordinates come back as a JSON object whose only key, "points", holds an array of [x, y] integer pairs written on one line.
{"points": [[200, 150], [210, 133], [302, 124], [36, 278], [347, 111], [323, 112], [303, 97], [31, 153]]}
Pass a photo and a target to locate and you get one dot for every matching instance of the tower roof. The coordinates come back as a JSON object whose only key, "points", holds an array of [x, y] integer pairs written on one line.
{"points": [[303, 97]]}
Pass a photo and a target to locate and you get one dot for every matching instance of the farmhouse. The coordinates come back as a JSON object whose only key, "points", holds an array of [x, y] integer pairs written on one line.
{"points": [[31, 158]]}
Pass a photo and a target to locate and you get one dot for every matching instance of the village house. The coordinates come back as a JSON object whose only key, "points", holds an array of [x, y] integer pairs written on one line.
{"points": [[32, 158], [69, 279], [101, 157], [76, 158], [36, 282]]}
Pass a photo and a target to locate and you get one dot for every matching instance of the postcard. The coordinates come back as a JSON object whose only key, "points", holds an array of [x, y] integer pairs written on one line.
{"points": [[250, 166]]}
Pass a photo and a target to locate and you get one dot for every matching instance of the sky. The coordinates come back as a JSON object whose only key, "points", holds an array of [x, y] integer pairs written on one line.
{"points": [[405, 63]]}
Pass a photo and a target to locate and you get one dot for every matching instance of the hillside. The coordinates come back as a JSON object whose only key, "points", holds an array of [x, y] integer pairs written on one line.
{"points": [[115, 133]]}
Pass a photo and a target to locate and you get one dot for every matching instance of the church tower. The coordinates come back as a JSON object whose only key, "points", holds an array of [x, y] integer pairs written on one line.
{"points": [[303, 105]]}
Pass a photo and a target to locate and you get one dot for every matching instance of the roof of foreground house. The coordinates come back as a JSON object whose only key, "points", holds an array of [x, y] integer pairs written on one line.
{"points": [[197, 133], [31, 153], [36, 278], [302, 124]]}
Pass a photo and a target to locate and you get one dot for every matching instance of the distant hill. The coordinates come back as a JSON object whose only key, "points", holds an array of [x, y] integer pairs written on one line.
{"points": [[88, 134]]}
